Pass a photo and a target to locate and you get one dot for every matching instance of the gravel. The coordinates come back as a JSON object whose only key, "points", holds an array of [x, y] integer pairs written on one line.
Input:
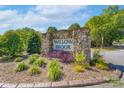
{"points": [[9, 75]]}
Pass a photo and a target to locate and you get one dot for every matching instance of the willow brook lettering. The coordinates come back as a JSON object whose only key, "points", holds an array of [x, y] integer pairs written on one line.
{"points": [[63, 44]]}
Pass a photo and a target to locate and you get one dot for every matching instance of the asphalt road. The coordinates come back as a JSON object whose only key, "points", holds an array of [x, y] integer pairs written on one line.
{"points": [[115, 58]]}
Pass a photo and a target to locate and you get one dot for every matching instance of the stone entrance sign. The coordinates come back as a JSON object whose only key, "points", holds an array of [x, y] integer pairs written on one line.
{"points": [[63, 44], [72, 41]]}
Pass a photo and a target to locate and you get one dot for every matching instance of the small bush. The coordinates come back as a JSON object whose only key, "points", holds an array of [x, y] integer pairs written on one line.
{"points": [[34, 70], [54, 70], [39, 62], [96, 57], [86, 66], [64, 56], [21, 67], [79, 68], [102, 65], [18, 59], [33, 58], [80, 58]]}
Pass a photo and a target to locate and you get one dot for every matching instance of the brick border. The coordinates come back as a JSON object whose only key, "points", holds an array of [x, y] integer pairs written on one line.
{"points": [[60, 84]]}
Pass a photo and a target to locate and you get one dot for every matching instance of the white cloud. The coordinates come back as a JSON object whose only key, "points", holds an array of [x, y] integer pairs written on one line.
{"points": [[56, 13], [64, 27], [52, 11], [43, 16], [5, 25]]}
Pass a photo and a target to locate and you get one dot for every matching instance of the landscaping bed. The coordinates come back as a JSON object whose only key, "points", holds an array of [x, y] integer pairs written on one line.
{"points": [[56, 69], [9, 75]]}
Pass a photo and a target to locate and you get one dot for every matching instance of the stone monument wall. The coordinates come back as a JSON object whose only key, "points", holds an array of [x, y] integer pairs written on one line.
{"points": [[81, 41]]}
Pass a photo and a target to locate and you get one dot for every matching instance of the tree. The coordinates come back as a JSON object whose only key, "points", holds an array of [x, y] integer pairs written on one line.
{"points": [[25, 34], [113, 9], [52, 29], [34, 44], [11, 43], [107, 27], [74, 26], [118, 20], [103, 30]]}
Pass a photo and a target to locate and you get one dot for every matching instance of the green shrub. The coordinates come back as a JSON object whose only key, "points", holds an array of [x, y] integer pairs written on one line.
{"points": [[39, 62], [96, 57], [34, 44], [18, 59], [80, 58], [12, 43], [33, 58], [101, 64], [86, 66], [34, 70], [54, 70], [79, 68], [21, 67]]}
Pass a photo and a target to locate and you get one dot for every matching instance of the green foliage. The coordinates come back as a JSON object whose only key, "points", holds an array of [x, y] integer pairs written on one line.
{"points": [[107, 27], [98, 61], [102, 28], [54, 70], [86, 66], [34, 44], [80, 58], [25, 34], [33, 58], [74, 26], [12, 43], [34, 70], [21, 67], [96, 57], [102, 65], [39, 62], [79, 68], [18, 59], [112, 9], [52, 29]]}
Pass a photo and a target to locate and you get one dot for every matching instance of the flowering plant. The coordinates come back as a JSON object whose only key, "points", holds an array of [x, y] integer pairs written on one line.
{"points": [[64, 56]]}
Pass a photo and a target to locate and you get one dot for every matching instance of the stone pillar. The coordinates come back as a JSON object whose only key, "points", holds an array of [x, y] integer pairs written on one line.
{"points": [[82, 42], [46, 43]]}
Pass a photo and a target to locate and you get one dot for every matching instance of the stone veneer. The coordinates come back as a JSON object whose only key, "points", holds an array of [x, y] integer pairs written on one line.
{"points": [[81, 40]]}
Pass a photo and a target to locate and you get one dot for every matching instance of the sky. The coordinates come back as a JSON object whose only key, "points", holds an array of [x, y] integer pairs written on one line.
{"points": [[41, 17]]}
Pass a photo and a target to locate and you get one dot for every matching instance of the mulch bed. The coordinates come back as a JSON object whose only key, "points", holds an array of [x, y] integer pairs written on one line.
{"points": [[9, 75]]}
